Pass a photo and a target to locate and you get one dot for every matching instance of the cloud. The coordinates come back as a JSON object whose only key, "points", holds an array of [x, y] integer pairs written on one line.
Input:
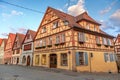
{"points": [[4, 34], [12, 13], [115, 18], [19, 30], [77, 8], [108, 9]]}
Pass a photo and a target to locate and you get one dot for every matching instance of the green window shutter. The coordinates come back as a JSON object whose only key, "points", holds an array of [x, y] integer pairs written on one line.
{"points": [[77, 59], [86, 58], [105, 57]]}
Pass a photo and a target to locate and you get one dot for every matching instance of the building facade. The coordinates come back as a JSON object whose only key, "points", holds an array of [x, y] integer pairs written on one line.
{"points": [[8, 49], [2, 48], [117, 50], [27, 48], [17, 48], [73, 43]]}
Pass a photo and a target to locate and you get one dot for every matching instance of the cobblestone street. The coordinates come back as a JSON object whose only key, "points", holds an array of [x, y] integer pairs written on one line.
{"points": [[11, 72]]}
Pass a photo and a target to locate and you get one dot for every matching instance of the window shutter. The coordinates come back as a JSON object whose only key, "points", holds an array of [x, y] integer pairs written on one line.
{"points": [[77, 59], [115, 57], [86, 58], [111, 57], [105, 57]]}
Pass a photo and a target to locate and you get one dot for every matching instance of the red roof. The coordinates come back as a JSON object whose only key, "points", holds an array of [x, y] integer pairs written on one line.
{"points": [[20, 37], [0, 41]]}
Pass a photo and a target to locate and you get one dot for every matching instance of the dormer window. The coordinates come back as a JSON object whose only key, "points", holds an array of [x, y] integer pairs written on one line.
{"points": [[55, 25], [43, 29], [65, 22]]}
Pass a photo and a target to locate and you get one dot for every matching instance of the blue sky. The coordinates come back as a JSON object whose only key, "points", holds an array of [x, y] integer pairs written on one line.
{"points": [[14, 19]]}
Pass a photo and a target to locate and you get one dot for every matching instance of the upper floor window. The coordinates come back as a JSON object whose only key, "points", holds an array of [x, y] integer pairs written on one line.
{"points": [[18, 51], [50, 41], [81, 37], [88, 26], [57, 39], [104, 41], [109, 42], [65, 22], [97, 39], [44, 42], [41, 42], [43, 29], [62, 38], [55, 24], [95, 28], [27, 47]]}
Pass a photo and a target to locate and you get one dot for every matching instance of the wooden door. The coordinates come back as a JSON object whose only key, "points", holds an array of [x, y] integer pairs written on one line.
{"points": [[53, 61]]}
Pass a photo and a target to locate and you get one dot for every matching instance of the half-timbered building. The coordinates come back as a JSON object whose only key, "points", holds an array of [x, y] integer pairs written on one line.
{"points": [[17, 48], [117, 50], [2, 50], [27, 48], [73, 43], [8, 49]]}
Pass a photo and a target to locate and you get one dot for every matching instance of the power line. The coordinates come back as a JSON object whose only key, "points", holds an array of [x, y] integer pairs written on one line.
{"points": [[21, 7]]}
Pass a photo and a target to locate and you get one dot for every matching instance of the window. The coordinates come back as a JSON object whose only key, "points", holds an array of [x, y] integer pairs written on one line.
{"points": [[62, 38], [118, 49], [44, 42], [57, 39], [27, 47], [81, 37], [97, 40], [109, 57], [41, 42], [55, 24], [50, 41], [104, 41], [65, 22], [37, 60], [108, 41], [18, 51], [28, 36], [64, 61], [88, 26], [15, 44], [43, 29], [81, 58], [43, 60], [95, 29]]}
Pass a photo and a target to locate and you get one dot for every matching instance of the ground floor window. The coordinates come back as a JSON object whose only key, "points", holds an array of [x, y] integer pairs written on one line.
{"points": [[81, 58], [109, 57], [64, 60], [37, 60], [43, 60], [23, 59]]}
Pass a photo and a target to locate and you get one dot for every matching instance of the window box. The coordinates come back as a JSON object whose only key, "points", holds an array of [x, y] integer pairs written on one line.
{"points": [[98, 44], [43, 46], [62, 43], [50, 45], [111, 46], [38, 47], [106, 45], [56, 44]]}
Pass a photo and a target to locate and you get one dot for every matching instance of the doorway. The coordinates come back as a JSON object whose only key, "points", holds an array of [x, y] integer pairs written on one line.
{"points": [[17, 60], [28, 61], [53, 61]]}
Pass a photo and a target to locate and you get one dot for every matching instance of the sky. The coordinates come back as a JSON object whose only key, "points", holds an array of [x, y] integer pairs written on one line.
{"points": [[15, 19]]}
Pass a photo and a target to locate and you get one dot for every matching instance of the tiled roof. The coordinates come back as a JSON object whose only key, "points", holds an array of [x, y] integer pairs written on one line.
{"points": [[33, 33], [21, 37], [0, 41], [85, 16]]}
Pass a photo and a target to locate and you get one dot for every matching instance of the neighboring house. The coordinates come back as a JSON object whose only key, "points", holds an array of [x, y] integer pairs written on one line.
{"points": [[117, 50], [17, 48], [27, 48], [8, 49], [2, 48], [73, 43]]}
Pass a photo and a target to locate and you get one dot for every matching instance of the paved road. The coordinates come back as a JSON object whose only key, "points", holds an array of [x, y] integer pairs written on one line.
{"points": [[11, 72]]}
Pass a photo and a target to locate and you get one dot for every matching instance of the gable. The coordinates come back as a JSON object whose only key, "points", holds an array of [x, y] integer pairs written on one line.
{"points": [[28, 37]]}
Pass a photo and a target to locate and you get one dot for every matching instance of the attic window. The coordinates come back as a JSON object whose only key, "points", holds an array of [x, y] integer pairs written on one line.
{"points": [[88, 26], [43, 29], [55, 24], [65, 22]]}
